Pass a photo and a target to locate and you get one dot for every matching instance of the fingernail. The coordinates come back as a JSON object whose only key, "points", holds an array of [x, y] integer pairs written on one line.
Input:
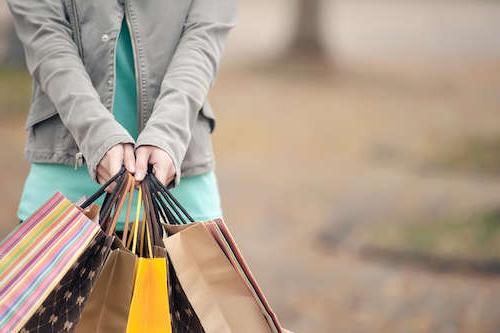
{"points": [[138, 176]]}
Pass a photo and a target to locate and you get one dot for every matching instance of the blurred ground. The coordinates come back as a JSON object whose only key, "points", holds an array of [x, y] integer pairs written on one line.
{"points": [[393, 145], [319, 162]]}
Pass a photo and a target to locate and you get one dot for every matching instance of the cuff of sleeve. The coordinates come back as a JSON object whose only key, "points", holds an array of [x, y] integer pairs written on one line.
{"points": [[93, 158], [146, 140]]}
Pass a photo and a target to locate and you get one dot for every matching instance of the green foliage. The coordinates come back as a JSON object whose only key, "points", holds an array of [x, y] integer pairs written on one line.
{"points": [[479, 155], [476, 237]]}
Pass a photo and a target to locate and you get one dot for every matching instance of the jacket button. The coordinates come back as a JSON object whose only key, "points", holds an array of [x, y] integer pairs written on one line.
{"points": [[105, 37]]}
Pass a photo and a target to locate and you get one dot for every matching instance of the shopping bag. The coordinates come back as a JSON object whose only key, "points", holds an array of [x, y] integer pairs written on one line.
{"points": [[61, 310], [220, 232], [149, 309], [108, 305], [36, 255], [212, 272], [184, 318], [216, 292]]}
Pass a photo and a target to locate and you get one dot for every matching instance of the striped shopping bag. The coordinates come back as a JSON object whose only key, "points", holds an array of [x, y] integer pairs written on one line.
{"points": [[37, 255]]}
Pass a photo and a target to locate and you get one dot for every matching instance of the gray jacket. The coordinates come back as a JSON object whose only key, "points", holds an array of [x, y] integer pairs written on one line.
{"points": [[70, 47]]}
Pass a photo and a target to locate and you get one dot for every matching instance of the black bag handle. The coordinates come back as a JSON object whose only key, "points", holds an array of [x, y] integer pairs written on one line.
{"points": [[111, 202], [164, 207], [156, 230], [102, 189], [172, 202]]}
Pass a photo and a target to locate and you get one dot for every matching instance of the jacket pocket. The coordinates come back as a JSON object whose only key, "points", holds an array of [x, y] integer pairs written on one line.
{"points": [[50, 135], [41, 109], [199, 153], [207, 112], [46, 132]]}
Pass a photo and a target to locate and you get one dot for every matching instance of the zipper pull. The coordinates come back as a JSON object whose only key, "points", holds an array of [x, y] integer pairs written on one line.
{"points": [[78, 160]]}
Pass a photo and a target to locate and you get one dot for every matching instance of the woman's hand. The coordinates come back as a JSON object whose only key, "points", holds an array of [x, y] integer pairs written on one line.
{"points": [[111, 163], [163, 167]]}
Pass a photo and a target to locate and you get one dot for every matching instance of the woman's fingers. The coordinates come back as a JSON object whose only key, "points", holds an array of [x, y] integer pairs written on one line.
{"points": [[129, 158], [160, 171], [163, 166], [103, 179], [102, 174], [115, 160], [141, 162], [110, 165]]}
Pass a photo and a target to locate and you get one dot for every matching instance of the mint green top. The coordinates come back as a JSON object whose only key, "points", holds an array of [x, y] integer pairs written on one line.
{"points": [[198, 194], [125, 100]]}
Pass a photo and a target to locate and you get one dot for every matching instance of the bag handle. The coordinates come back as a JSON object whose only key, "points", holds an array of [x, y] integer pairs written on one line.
{"points": [[102, 189], [148, 240], [157, 204], [109, 209], [161, 208], [144, 239], [127, 214], [129, 184], [171, 201], [136, 222], [153, 237], [164, 207], [152, 215]]}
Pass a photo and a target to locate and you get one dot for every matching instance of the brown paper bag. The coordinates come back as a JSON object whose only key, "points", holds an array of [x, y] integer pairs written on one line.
{"points": [[225, 239], [108, 306], [216, 291]]}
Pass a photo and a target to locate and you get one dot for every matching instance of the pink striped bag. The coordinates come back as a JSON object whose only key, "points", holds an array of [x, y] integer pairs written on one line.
{"points": [[36, 255]]}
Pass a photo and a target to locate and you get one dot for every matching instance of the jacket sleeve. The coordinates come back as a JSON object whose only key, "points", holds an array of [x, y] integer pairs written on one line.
{"points": [[52, 59], [189, 77]]}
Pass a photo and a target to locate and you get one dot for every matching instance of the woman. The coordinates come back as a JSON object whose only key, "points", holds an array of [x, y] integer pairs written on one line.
{"points": [[121, 82]]}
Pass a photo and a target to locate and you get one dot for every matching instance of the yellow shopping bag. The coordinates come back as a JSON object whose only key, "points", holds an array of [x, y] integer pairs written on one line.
{"points": [[149, 310]]}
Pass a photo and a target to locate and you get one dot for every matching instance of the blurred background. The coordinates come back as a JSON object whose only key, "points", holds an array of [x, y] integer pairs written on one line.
{"points": [[358, 147]]}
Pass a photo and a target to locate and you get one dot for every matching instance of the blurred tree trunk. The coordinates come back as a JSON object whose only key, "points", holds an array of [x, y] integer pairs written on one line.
{"points": [[14, 56], [307, 40]]}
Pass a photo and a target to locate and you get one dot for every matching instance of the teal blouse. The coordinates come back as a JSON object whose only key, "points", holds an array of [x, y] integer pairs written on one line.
{"points": [[199, 194]]}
